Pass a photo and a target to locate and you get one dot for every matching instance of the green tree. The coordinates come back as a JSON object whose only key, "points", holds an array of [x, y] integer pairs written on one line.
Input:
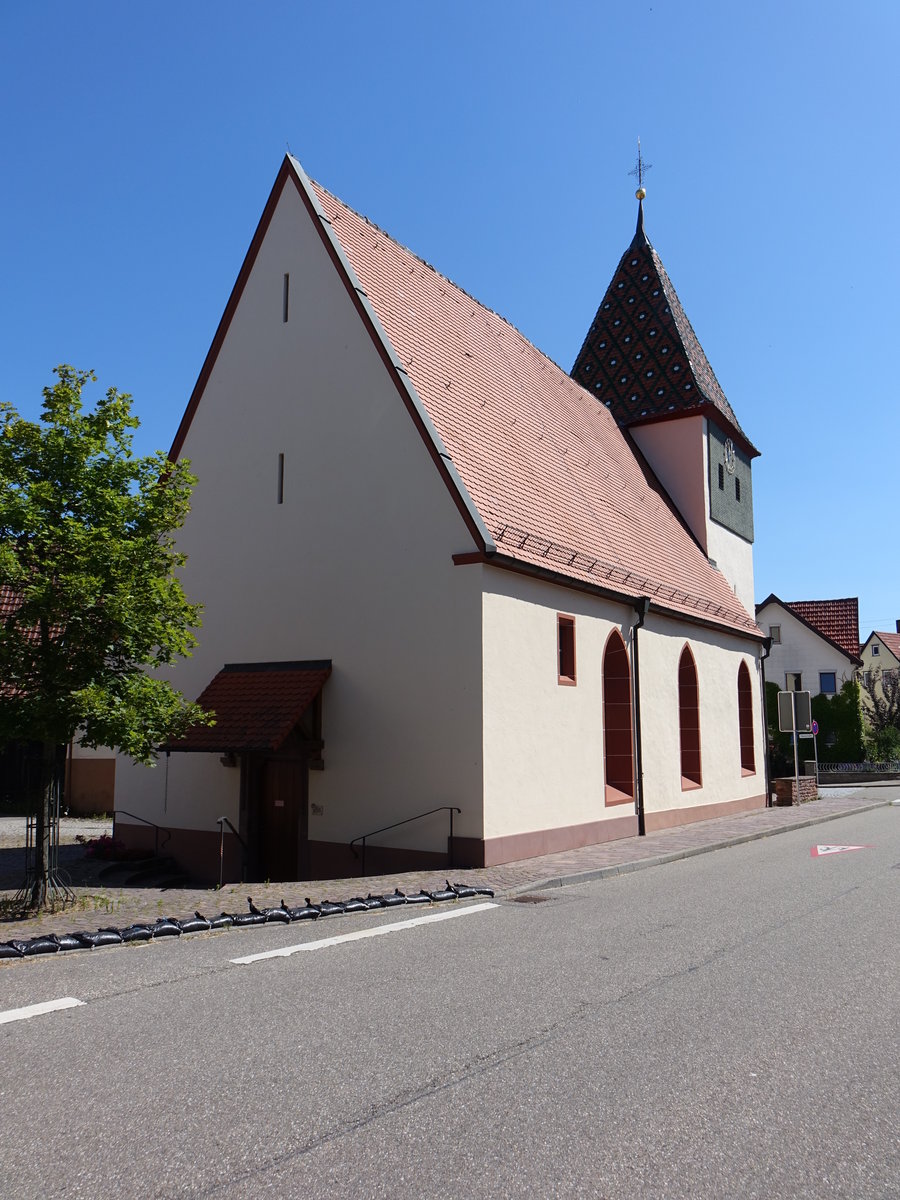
{"points": [[88, 569], [881, 707]]}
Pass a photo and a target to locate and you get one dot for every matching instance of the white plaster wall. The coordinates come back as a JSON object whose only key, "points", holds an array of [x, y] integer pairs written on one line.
{"points": [[800, 650], [676, 450], [717, 657], [732, 554], [354, 566], [543, 741]]}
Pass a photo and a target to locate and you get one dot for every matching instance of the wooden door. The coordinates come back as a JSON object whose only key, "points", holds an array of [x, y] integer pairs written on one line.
{"points": [[283, 819]]}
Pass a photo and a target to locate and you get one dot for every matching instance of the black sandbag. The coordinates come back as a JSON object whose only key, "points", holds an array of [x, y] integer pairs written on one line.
{"points": [[462, 890], [393, 898], [222, 921], [195, 924], [483, 891], [374, 901], [306, 912], [102, 937], [277, 915], [357, 904], [72, 941], [330, 908], [443, 894], [248, 918], [166, 927], [42, 944], [137, 933], [418, 898], [9, 950]]}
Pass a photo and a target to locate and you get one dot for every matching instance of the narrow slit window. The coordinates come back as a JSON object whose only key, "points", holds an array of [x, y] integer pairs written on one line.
{"points": [[286, 296], [721, 478], [280, 483], [737, 490], [565, 642]]}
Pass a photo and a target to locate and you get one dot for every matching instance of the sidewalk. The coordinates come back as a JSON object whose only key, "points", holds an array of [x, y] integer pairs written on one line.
{"points": [[97, 906]]}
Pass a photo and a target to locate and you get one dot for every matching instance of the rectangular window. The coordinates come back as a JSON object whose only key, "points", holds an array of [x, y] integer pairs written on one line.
{"points": [[565, 644], [280, 482], [775, 634], [876, 649], [737, 490], [827, 682], [793, 681], [721, 478], [286, 295]]}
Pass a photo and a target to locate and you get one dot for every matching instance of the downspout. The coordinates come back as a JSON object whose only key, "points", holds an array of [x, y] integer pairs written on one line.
{"points": [[767, 647], [641, 607]]}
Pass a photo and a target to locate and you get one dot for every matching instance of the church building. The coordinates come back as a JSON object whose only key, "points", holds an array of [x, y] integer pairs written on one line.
{"points": [[444, 580]]}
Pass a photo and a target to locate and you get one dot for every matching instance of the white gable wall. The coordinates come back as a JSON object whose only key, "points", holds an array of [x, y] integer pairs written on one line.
{"points": [[801, 649], [355, 564]]}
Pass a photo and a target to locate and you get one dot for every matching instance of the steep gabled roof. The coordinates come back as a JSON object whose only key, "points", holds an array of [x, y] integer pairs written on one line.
{"points": [[891, 640], [544, 478], [641, 357], [837, 621]]}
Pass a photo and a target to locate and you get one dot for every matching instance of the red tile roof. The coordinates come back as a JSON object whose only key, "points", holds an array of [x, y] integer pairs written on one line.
{"points": [[837, 620], [555, 481], [257, 705], [891, 640], [9, 600]]}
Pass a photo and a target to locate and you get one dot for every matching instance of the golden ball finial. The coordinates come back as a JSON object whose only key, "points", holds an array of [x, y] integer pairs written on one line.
{"points": [[640, 194]]}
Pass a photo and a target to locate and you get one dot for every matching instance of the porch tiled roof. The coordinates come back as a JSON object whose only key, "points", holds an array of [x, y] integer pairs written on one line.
{"points": [[555, 481], [257, 705]]}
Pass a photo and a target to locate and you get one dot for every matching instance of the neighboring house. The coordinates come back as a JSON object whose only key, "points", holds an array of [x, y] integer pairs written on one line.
{"points": [[880, 655], [437, 571], [815, 643]]}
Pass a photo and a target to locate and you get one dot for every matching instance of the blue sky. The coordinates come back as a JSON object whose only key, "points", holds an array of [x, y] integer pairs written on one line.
{"points": [[140, 141]]}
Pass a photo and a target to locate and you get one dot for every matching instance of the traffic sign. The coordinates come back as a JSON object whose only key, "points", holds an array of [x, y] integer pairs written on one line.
{"points": [[815, 727]]}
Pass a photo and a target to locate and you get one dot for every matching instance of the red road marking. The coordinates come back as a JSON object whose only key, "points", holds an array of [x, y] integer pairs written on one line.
{"points": [[819, 851]]}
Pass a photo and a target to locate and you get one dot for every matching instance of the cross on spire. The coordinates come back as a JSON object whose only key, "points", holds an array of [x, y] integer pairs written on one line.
{"points": [[638, 171]]}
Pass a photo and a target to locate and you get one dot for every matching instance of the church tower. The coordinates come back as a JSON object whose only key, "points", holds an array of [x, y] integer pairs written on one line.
{"points": [[642, 359]]}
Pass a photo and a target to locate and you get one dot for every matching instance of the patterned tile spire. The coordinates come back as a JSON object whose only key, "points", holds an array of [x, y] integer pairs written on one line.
{"points": [[641, 357]]}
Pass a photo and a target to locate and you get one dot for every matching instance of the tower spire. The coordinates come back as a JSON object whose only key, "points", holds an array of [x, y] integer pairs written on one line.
{"points": [[638, 170]]}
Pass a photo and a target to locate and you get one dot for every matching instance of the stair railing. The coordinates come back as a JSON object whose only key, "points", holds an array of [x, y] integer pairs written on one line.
{"points": [[158, 829], [222, 822], [364, 836]]}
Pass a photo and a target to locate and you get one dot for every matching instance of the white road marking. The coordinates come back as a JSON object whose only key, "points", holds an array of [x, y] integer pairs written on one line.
{"points": [[38, 1010], [377, 931]]}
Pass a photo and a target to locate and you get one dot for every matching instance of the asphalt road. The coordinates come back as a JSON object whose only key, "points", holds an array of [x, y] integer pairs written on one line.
{"points": [[723, 1026]]}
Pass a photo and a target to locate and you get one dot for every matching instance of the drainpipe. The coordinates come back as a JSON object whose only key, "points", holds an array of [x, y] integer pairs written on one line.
{"points": [[641, 608], [767, 647]]}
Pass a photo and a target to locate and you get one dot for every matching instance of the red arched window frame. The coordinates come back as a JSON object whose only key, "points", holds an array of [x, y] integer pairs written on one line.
{"points": [[745, 720], [618, 739], [689, 721]]}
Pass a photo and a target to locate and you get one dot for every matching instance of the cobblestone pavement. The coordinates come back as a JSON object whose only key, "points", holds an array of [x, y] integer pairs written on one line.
{"points": [[97, 905]]}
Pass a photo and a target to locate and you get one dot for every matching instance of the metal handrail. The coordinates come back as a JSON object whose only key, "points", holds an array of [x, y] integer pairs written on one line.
{"points": [[157, 828], [222, 822], [362, 837]]}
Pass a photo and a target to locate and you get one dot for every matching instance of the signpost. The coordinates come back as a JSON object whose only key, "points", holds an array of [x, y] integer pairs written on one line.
{"points": [[795, 718]]}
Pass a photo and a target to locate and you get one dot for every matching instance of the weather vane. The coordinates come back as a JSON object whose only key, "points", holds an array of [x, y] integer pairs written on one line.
{"points": [[638, 171]]}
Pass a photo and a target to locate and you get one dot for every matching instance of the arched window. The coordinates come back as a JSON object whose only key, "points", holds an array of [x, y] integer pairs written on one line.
{"points": [[745, 721], [689, 720], [617, 736]]}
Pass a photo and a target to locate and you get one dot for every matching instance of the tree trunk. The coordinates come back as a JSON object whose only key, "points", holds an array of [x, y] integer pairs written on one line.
{"points": [[45, 805]]}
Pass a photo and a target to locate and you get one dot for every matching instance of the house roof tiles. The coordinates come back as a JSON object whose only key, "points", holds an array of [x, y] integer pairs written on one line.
{"points": [[556, 483]]}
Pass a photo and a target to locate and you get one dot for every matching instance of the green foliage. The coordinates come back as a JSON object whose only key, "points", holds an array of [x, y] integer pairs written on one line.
{"points": [[881, 707], [781, 752], [87, 548], [840, 725]]}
